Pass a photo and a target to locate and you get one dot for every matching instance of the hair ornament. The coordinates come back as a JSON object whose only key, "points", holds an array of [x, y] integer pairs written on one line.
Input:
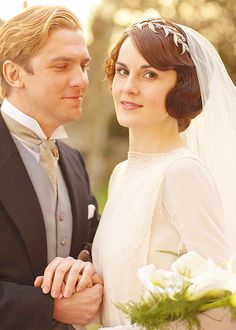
{"points": [[155, 25]]}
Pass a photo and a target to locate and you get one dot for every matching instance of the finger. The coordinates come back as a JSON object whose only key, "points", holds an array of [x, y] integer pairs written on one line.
{"points": [[89, 284], [59, 276], [38, 281], [73, 277], [61, 293], [49, 274], [87, 273], [98, 292], [96, 279], [84, 256]]}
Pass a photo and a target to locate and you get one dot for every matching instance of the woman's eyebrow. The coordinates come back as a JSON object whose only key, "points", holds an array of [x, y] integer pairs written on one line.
{"points": [[145, 66]]}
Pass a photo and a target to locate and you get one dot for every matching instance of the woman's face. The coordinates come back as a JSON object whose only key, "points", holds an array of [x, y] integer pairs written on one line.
{"points": [[139, 90]]}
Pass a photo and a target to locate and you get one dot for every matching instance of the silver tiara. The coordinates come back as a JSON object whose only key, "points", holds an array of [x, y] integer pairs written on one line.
{"points": [[154, 25]]}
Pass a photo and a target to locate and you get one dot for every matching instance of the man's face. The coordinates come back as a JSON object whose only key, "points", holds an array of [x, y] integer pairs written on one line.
{"points": [[56, 81]]}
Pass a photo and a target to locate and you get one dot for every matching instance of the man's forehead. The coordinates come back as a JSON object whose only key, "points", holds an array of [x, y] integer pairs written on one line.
{"points": [[65, 39], [67, 49]]}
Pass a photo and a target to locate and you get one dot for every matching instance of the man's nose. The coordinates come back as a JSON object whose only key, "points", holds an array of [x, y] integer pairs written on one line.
{"points": [[80, 78]]}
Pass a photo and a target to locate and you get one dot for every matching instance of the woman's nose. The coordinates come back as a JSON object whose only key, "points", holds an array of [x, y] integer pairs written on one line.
{"points": [[131, 86]]}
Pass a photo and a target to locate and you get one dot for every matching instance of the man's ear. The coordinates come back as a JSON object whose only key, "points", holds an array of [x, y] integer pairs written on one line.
{"points": [[12, 73]]}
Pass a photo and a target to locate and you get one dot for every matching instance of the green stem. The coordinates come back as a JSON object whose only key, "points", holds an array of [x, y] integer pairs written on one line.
{"points": [[216, 304], [171, 252]]}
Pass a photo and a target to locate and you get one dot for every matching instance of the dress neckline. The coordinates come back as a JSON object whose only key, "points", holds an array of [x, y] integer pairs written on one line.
{"points": [[139, 160], [132, 155]]}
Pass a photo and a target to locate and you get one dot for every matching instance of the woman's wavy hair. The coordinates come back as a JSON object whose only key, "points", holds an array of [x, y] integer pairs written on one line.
{"points": [[25, 34], [183, 101]]}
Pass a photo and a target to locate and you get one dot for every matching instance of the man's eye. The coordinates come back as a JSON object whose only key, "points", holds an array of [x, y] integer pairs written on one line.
{"points": [[60, 67], [85, 68]]}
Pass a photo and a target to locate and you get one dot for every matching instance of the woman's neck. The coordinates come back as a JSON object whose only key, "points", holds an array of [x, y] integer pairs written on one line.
{"points": [[154, 140]]}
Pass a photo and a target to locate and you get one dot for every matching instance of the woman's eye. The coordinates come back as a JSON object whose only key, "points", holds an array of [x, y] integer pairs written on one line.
{"points": [[122, 71], [150, 75]]}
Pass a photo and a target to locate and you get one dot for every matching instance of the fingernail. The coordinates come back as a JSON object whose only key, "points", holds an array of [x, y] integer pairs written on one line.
{"points": [[66, 294], [54, 294], [45, 289]]}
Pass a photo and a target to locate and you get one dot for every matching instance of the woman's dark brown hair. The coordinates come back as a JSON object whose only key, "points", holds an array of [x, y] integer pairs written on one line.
{"points": [[183, 101]]}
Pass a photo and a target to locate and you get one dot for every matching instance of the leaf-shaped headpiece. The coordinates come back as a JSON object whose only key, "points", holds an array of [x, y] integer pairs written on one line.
{"points": [[156, 24]]}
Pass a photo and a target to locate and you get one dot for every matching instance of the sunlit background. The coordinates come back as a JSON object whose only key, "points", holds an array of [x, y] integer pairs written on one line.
{"points": [[82, 8], [97, 134]]}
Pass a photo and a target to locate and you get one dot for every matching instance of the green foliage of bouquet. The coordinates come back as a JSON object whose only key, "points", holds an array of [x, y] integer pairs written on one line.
{"points": [[194, 285]]}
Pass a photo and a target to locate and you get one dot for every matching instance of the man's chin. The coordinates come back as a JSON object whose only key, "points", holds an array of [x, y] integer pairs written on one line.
{"points": [[76, 115]]}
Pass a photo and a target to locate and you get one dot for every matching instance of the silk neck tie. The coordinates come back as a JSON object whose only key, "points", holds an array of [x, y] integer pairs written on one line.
{"points": [[47, 148]]}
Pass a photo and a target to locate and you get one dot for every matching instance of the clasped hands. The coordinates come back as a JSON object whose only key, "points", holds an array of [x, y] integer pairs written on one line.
{"points": [[76, 288]]}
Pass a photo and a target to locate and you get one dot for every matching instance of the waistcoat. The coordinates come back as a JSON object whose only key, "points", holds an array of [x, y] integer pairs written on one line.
{"points": [[56, 210]]}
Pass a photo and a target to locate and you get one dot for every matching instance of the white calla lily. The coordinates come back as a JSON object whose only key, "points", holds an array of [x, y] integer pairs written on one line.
{"points": [[144, 274], [161, 281], [195, 285], [162, 278], [213, 282], [191, 265]]}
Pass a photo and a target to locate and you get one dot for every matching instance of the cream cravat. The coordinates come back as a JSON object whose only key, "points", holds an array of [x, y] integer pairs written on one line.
{"points": [[47, 148]]}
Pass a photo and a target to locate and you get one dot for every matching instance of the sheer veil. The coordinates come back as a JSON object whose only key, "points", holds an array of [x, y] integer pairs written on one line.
{"points": [[212, 134]]}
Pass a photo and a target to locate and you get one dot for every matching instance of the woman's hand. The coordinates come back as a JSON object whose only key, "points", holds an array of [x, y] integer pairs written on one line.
{"points": [[64, 276]]}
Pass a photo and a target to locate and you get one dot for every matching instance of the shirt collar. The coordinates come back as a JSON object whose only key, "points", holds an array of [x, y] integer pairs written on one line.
{"points": [[30, 122]]}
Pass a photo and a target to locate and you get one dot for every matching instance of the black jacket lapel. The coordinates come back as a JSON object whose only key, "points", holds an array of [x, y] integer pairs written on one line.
{"points": [[19, 199], [75, 177]]}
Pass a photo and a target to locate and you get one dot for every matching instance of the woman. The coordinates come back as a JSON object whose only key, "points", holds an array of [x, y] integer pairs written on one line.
{"points": [[162, 198]]}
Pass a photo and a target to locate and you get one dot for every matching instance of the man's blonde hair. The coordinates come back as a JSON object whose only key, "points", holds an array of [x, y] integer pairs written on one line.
{"points": [[25, 34]]}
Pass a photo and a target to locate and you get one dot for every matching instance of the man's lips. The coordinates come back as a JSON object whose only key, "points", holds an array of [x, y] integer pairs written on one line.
{"points": [[127, 105], [73, 97]]}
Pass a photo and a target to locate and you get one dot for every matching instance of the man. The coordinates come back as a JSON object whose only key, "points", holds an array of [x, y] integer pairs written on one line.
{"points": [[43, 201]]}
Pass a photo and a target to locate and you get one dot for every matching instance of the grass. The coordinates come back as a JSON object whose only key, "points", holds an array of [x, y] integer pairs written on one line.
{"points": [[101, 195]]}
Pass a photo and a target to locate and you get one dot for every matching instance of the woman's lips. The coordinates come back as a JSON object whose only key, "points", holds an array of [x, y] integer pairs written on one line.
{"points": [[127, 105]]}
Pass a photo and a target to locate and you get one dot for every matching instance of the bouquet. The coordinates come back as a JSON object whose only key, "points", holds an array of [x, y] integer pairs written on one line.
{"points": [[194, 285]]}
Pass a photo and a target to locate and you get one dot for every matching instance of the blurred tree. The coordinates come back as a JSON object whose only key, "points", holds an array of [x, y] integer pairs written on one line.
{"points": [[90, 134], [97, 134]]}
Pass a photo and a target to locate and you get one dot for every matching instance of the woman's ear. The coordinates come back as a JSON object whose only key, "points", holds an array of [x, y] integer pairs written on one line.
{"points": [[12, 73]]}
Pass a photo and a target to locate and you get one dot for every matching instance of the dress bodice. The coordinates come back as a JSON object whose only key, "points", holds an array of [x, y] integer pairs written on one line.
{"points": [[135, 228], [122, 240]]}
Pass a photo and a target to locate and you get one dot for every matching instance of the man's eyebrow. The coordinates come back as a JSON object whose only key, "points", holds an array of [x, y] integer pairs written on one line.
{"points": [[69, 59]]}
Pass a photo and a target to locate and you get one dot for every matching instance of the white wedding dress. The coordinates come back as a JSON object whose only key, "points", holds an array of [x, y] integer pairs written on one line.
{"points": [[156, 202]]}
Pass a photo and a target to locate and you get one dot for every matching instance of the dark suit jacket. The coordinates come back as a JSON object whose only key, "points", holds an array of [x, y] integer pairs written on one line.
{"points": [[23, 249]]}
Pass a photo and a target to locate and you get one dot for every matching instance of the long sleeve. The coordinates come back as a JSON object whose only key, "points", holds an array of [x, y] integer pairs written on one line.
{"points": [[192, 203], [24, 307]]}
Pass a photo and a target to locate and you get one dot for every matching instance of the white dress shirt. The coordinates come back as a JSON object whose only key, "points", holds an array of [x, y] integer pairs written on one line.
{"points": [[33, 125]]}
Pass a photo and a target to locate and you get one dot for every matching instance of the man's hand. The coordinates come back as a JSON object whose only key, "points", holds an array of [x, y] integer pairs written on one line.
{"points": [[81, 308]]}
